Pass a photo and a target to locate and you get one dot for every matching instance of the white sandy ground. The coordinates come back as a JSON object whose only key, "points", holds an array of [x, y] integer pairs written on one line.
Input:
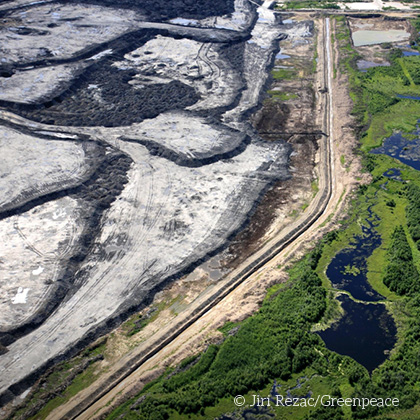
{"points": [[28, 86], [166, 218], [30, 163], [182, 132], [244, 299], [92, 25], [167, 214], [183, 59], [374, 5], [165, 59], [258, 50], [7, 5], [240, 19], [33, 247]]}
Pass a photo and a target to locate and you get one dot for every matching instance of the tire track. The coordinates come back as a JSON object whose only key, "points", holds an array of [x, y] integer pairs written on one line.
{"points": [[97, 397]]}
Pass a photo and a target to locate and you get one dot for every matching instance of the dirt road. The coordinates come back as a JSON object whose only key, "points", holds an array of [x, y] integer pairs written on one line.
{"points": [[132, 368]]}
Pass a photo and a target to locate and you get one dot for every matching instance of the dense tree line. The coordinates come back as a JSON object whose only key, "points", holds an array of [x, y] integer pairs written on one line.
{"points": [[327, 413], [413, 212], [401, 275], [399, 376], [272, 344], [277, 342]]}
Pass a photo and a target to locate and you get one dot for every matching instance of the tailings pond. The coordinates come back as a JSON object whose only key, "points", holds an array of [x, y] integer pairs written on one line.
{"points": [[366, 332], [366, 37]]}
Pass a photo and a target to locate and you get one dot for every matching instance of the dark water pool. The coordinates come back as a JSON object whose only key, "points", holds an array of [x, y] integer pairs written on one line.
{"points": [[366, 333], [415, 98], [394, 174], [348, 269], [410, 53], [398, 147], [410, 50], [364, 64]]}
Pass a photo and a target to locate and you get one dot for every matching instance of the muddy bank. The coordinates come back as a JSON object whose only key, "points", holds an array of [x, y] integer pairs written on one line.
{"points": [[282, 200], [287, 113]]}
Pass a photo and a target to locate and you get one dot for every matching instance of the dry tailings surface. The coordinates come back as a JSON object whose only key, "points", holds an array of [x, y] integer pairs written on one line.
{"points": [[135, 162]]}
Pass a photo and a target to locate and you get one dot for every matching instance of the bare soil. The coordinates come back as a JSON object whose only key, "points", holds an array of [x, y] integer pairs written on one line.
{"points": [[293, 121], [278, 207]]}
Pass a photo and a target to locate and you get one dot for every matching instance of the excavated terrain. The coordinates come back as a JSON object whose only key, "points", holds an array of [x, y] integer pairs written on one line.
{"points": [[129, 158]]}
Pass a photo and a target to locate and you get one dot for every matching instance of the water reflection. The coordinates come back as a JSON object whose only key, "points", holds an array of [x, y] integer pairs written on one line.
{"points": [[394, 174], [366, 333], [348, 269], [398, 147]]}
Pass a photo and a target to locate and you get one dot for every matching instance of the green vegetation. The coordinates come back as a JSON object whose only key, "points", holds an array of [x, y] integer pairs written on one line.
{"points": [[315, 58], [352, 269], [138, 321], [70, 377], [379, 112], [276, 343], [135, 324], [396, 262], [377, 108], [314, 187], [333, 58], [61, 383], [413, 213], [282, 96], [401, 275], [310, 4], [228, 328], [286, 74]]}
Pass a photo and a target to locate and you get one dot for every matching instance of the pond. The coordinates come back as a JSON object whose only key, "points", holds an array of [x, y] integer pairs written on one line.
{"points": [[281, 56], [348, 269], [367, 331], [366, 37], [363, 64], [415, 98], [394, 174], [398, 147], [410, 53]]}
